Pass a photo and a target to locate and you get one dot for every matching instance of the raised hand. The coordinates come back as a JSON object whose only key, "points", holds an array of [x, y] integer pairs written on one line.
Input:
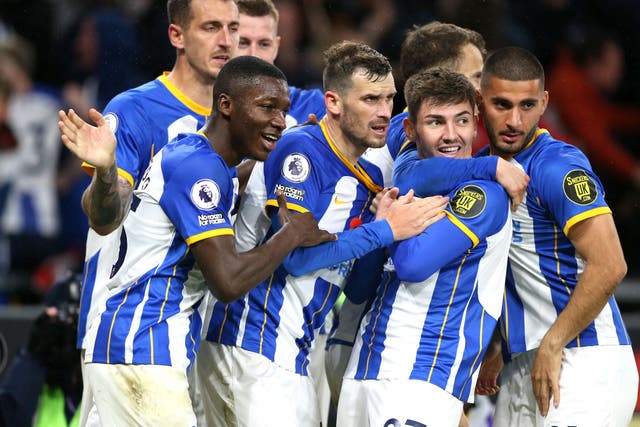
{"points": [[409, 216], [91, 144], [302, 225], [514, 181]]}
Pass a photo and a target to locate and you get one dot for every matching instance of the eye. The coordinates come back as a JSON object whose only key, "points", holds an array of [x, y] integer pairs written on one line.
{"points": [[463, 121], [233, 28], [265, 45], [528, 105], [433, 122], [244, 43]]}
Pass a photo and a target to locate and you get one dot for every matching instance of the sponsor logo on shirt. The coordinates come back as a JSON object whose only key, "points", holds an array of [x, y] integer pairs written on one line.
{"points": [[291, 192], [296, 167], [205, 194], [579, 187], [211, 219], [468, 202]]}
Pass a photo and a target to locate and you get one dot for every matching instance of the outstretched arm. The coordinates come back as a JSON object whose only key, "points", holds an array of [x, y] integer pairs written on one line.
{"points": [[230, 274], [107, 198], [596, 240]]}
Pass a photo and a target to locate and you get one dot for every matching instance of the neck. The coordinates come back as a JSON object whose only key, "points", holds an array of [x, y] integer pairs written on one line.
{"points": [[349, 149], [192, 84], [217, 132]]}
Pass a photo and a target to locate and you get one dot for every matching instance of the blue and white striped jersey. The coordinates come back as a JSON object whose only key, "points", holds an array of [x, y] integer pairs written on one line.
{"points": [[544, 266], [277, 319], [144, 119], [440, 296], [149, 316]]}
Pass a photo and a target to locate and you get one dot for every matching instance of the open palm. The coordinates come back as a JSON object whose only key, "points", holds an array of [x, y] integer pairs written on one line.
{"points": [[95, 145]]}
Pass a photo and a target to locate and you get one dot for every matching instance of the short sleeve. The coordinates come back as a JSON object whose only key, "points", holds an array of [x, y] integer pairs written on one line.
{"points": [[568, 188], [198, 195], [293, 169]]}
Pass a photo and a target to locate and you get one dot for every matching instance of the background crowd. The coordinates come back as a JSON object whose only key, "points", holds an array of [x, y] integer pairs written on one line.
{"points": [[77, 54], [60, 54]]}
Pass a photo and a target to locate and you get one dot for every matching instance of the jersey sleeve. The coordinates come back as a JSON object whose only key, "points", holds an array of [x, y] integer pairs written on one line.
{"points": [[351, 244], [397, 138], [569, 189], [438, 175], [197, 197], [294, 169], [476, 210]]}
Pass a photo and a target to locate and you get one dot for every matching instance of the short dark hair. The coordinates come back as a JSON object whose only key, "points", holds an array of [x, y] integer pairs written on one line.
{"points": [[436, 44], [241, 72], [438, 86], [345, 58], [258, 8], [179, 12], [514, 64]]}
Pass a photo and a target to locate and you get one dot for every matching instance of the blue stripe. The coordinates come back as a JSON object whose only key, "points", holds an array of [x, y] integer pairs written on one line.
{"points": [[225, 322], [192, 340], [324, 297], [512, 319], [374, 333], [621, 330], [88, 282], [261, 328]]}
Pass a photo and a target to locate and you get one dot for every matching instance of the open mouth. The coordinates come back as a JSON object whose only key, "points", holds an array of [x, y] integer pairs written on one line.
{"points": [[380, 129], [270, 140]]}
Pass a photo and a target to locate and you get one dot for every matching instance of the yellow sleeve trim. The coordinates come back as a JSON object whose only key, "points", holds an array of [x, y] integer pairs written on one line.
{"points": [[90, 169], [207, 234], [290, 206], [585, 215], [474, 239]]}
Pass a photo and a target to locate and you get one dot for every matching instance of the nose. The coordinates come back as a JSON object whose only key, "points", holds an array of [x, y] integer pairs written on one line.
{"points": [[225, 37], [449, 133], [280, 121], [385, 108], [515, 118]]}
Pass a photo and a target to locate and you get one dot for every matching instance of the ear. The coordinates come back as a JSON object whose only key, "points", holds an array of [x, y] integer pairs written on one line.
{"points": [[409, 129], [176, 36], [333, 103], [225, 105], [545, 102]]}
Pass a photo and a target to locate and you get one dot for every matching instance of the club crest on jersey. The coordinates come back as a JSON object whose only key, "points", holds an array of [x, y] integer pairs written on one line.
{"points": [[579, 187], [296, 167], [205, 194], [112, 121], [468, 202]]}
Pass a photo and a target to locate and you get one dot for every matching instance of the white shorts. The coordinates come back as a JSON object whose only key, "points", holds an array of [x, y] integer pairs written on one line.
{"points": [[88, 411], [237, 387], [394, 403], [319, 375], [140, 395], [598, 387]]}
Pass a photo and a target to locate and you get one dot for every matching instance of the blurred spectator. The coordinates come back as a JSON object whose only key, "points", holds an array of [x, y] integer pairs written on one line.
{"points": [[584, 74], [30, 219], [105, 47], [43, 385]]}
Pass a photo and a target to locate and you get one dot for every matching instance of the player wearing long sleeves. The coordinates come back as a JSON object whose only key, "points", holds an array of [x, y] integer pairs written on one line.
{"points": [[439, 298]]}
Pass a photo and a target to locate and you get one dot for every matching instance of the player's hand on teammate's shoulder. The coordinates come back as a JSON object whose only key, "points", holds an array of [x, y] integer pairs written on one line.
{"points": [[95, 145], [407, 215], [302, 225]]}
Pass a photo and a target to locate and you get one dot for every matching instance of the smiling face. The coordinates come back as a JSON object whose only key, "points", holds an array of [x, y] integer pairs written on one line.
{"points": [[210, 38], [365, 110], [258, 37], [511, 111], [258, 117], [443, 130]]}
